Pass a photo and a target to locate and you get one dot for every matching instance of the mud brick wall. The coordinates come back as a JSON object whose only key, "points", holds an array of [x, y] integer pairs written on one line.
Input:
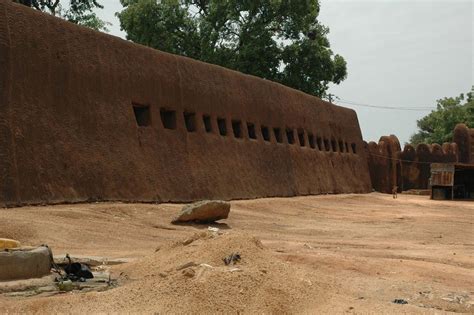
{"points": [[383, 164], [416, 170], [464, 138], [88, 116], [389, 166]]}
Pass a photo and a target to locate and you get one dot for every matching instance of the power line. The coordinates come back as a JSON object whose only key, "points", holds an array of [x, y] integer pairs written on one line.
{"points": [[341, 100], [387, 107]]}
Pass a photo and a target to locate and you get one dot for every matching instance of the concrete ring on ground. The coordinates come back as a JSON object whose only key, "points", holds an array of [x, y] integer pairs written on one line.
{"points": [[24, 263]]}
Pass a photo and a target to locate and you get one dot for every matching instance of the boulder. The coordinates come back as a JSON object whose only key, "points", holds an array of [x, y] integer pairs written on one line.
{"points": [[204, 212]]}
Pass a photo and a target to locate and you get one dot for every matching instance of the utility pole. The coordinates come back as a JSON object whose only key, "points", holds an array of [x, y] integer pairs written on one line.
{"points": [[330, 97]]}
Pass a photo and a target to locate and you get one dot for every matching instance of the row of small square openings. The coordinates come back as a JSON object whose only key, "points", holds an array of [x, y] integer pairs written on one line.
{"points": [[168, 119]]}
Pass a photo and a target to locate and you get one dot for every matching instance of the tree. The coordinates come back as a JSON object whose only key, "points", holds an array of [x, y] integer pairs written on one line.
{"points": [[279, 40], [78, 11], [438, 126]]}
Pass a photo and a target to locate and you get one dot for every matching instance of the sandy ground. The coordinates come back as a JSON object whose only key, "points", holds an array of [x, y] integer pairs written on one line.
{"points": [[324, 254]]}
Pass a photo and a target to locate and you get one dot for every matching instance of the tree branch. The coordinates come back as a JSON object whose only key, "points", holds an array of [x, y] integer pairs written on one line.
{"points": [[36, 5], [52, 7]]}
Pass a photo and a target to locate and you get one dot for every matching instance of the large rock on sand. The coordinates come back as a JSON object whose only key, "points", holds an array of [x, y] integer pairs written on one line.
{"points": [[204, 211]]}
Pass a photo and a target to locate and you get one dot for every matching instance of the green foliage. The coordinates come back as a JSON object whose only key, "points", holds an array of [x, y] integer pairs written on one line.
{"points": [[438, 126], [279, 40], [78, 11]]}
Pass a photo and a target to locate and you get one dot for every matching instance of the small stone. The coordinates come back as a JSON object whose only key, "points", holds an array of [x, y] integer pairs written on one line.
{"points": [[49, 288], [189, 272], [213, 229], [187, 265], [188, 241], [163, 274], [65, 285], [206, 266]]}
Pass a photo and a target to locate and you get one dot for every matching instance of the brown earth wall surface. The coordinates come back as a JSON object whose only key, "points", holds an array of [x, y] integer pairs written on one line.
{"points": [[464, 137], [68, 130]]}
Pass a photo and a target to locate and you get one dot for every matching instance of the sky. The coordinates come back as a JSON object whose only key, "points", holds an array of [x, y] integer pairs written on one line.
{"points": [[399, 54]]}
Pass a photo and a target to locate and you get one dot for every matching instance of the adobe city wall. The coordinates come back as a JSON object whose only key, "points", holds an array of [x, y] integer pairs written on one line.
{"points": [[383, 166], [416, 163], [464, 137], [389, 166], [88, 116]]}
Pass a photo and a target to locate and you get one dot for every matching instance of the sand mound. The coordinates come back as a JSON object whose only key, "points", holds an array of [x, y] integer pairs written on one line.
{"points": [[190, 277]]}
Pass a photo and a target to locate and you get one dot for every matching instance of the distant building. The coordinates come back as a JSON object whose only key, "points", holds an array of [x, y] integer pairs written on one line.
{"points": [[452, 181]]}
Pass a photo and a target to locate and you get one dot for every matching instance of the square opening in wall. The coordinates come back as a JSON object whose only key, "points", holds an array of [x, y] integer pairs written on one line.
{"points": [[319, 141], [265, 133], [168, 118], [251, 130], [353, 146], [301, 137], [290, 136], [190, 121], [347, 147], [333, 145], [341, 146], [277, 133], [326, 145], [221, 124], [311, 141], [142, 115], [206, 119], [237, 128]]}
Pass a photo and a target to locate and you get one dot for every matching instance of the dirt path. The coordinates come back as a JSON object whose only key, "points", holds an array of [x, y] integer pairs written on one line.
{"points": [[357, 253]]}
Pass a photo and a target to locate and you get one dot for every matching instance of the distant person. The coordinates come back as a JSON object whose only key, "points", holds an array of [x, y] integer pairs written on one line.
{"points": [[394, 192]]}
